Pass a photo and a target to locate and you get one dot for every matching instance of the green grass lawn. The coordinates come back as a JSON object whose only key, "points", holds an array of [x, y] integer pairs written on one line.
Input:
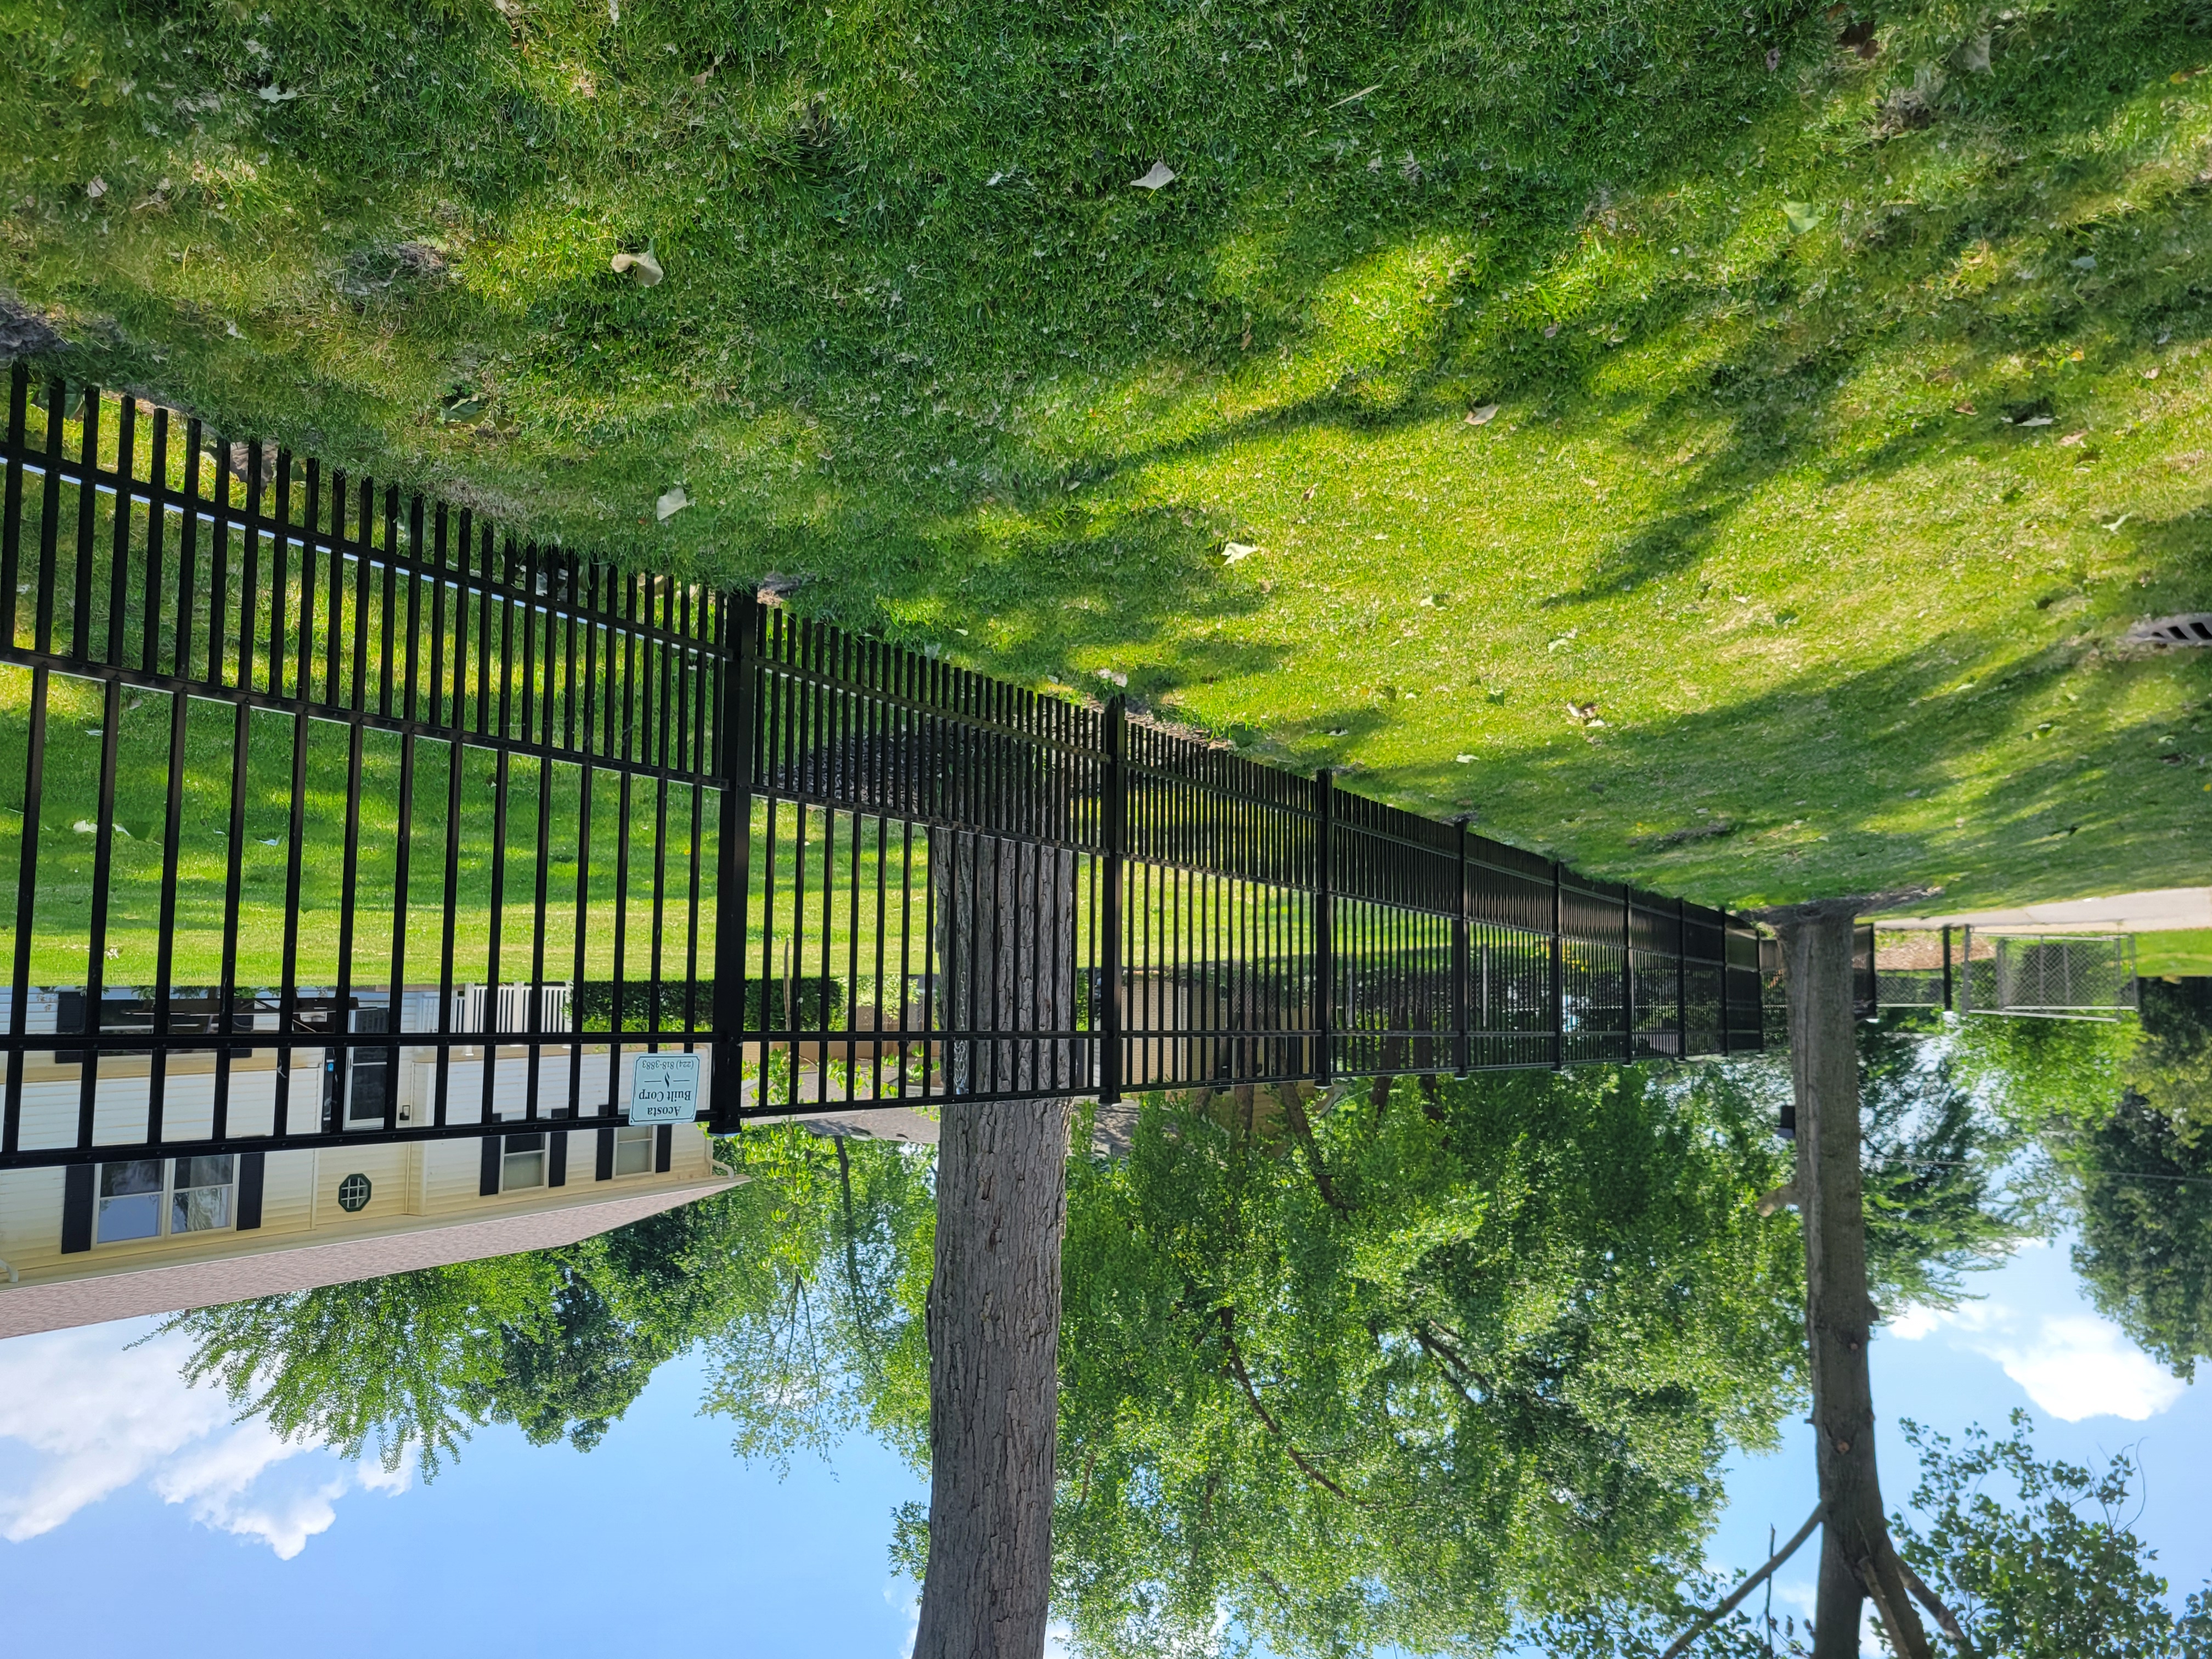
{"points": [[1846, 411], [2174, 955]]}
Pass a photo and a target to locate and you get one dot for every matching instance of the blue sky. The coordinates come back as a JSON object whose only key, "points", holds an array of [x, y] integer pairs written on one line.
{"points": [[660, 1540], [2029, 1339], [657, 1541]]}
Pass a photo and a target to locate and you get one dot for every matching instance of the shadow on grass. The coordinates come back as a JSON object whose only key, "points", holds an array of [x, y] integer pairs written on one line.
{"points": [[1818, 779]]}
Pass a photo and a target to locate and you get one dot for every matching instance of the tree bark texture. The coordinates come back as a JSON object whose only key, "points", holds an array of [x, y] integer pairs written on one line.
{"points": [[994, 1379], [1005, 939], [1858, 1560]]}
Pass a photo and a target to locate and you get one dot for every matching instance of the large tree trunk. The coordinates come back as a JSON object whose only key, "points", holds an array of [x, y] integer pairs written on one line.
{"points": [[1006, 940], [1858, 1560]]}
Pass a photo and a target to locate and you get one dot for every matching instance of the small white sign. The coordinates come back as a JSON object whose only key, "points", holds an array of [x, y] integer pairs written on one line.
{"points": [[664, 1089]]}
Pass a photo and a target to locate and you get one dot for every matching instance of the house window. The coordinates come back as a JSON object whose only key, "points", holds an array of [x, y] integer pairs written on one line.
{"points": [[522, 1162], [156, 1198], [634, 1150]]}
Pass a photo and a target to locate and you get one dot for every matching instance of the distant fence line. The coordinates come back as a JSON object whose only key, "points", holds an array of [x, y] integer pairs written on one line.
{"points": [[1967, 971], [344, 814]]}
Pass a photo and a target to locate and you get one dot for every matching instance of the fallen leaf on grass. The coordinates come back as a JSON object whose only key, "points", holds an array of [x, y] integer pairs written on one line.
{"points": [[1482, 416], [670, 503], [1551, 331], [1160, 176], [1464, 759], [643, 266], [96, 188], [1233, 551], [1962, 408], [2071, 438], [1802, 215], [2038, 419]]}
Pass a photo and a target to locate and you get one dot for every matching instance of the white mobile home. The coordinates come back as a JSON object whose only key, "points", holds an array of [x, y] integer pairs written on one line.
{"points": [[92, 1240]]}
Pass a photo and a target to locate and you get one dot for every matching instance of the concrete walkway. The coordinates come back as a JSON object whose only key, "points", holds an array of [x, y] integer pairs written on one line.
{"points": [[2164, 911]]}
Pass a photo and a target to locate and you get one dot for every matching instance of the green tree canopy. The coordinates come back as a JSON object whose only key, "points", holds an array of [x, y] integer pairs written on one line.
{"points": [[2172, 1068], [1934, 1206], [2040, 1558], [1399, 1371], [802, 1283], [2145, 1219]]}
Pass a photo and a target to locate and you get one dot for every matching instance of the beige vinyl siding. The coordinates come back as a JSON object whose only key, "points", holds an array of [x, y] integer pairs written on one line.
{"points": [[386, 1167], [30, 1219], [288, 1192]]}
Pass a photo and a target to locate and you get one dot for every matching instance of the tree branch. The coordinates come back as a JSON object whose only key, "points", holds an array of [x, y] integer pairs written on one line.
{"points": [[1455, 1372], [1944, 1618], [1302, 1128], [1236, 1365], [1707, 1621]]}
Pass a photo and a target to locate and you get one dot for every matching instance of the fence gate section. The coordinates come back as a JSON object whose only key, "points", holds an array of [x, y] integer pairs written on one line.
{"points": [[333, 813]]}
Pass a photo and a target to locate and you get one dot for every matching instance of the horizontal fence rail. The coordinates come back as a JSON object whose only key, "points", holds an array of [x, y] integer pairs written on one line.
{"points": [[334, 812]]}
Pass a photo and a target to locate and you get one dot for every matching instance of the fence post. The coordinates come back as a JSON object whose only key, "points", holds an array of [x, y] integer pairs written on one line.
{"points": [[1324, 920], [1114, 807], [1681, 979], [1727, 1045], [733, 737], [1628, 975], [1460, 930], [1558, 972], [1946, 967]]}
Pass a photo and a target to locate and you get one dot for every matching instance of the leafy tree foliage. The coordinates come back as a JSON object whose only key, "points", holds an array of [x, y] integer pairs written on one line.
{"points": [[1933, 1211], [821, 1328], [1405, 1370], [2057, 1571], [2145, 1218], [2039, 1073], [560, 1342], [2172, 1069]]}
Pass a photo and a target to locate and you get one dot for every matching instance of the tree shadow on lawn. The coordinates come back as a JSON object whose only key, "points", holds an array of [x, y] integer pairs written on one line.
{"points": [[1778, 397], [1906, 772], [1580, 178]]}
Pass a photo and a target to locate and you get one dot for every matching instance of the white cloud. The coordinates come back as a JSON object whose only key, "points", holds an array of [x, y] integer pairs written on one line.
{"points": [[903, 1593], [1914, 1323], [2073, 1365], [2081, 1366], [100, 1415]]}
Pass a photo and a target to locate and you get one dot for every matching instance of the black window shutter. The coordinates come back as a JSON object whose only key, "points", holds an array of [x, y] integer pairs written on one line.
{"points": [[663, 1147], [605, 1171], [556, 1159], [77, 1208], [488, 1183], [252, 1167]]}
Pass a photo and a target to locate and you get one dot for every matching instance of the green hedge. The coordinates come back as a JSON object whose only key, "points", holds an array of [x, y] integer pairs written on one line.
{"points": [[815, 1004]]}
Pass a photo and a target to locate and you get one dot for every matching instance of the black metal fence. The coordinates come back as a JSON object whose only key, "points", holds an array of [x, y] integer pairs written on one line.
{"points": [[342, 814]]}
